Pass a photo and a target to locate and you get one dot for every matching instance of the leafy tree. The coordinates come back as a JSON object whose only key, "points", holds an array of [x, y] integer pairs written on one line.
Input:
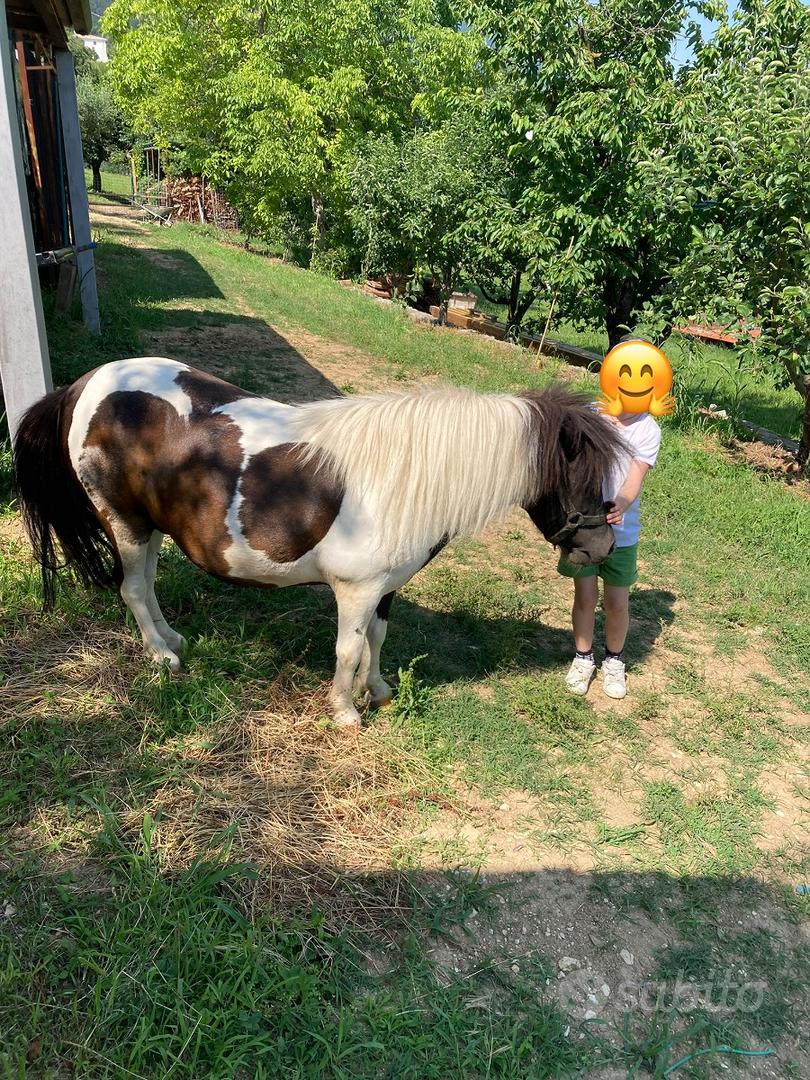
{"points": [[103, 127], [752, 258], [271, 99], [85, 61], [412, 203], [598, 202]]}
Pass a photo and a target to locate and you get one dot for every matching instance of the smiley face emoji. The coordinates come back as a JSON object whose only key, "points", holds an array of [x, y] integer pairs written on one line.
{"points": [[636, 377]]}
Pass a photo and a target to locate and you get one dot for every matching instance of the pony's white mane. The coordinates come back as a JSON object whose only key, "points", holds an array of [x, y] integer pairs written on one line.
{"points": [[441, 461]]}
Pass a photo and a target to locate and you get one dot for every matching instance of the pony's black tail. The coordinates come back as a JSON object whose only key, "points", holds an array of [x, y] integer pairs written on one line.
{"points": [[54, 505]]}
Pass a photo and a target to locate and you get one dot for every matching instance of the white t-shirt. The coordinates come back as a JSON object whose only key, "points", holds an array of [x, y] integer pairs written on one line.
{"points": [[642, 436]]}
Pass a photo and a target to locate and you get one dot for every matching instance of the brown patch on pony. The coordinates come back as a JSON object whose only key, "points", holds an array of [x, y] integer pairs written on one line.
{"points": [[575, 446], [207, 392], [288, 507], [155, 470]]}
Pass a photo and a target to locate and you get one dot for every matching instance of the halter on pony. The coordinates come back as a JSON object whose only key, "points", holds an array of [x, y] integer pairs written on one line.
{"points": [[574, 522]]}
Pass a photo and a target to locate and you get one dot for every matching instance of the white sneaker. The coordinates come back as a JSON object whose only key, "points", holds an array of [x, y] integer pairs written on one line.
{"points": [[613, 678], [579, 675]]}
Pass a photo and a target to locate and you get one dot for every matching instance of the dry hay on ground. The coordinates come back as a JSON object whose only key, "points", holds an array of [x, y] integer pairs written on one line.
{"points": [[773, 461], [280, 788], [276, 787], [71, 668]]}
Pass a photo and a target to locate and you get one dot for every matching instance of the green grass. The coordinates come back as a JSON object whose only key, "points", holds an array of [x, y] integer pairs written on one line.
{"points": [[115, 186], [157, 977], [119, 956]]}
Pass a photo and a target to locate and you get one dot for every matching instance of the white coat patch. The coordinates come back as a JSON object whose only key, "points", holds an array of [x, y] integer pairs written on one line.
{"points": [[151, 374]]}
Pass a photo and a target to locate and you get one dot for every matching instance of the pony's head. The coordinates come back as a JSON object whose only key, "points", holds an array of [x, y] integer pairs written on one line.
{"points": [[574, 449]]}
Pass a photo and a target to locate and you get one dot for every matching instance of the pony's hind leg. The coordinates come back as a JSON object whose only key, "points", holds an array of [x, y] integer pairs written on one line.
{"points": [[369, 679], [356, 606], [175, 641], [135, 592]]}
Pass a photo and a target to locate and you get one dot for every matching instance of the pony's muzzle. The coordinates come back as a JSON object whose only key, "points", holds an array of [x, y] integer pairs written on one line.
{"points": [[579, 557]]}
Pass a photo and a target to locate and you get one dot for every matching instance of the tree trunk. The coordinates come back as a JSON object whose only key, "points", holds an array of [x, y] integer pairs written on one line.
{"points": [[447, 282], [319, 223], [619, 299], [802, 384], [512, 315], [518, 305], [96, 167], [804, 441]]}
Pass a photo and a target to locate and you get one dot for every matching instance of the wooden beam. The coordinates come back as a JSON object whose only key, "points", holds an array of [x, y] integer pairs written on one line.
{"points": [[79, 210], [24, 363], [53, 24], [50, 17], [27, 21], [81, 18]]}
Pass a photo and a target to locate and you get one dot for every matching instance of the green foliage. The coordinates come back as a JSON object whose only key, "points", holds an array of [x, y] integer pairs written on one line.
{"points": [[413, 201], [595, 134], [85, 63], [270, 100], [103, 127], [752, 258]]}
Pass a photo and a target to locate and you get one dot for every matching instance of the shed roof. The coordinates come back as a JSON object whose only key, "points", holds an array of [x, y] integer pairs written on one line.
{"points": [[50, 17]]}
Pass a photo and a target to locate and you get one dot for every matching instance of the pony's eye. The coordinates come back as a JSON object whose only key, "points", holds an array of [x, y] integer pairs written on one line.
{"points": [[625, 370], [646, 370], [574, 519]]}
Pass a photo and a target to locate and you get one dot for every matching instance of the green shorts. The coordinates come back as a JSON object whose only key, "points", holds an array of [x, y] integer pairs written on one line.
{"points": [[619, 568]]}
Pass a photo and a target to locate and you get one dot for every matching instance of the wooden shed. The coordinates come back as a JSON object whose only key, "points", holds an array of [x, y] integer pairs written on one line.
{"points": [[43, 198]]}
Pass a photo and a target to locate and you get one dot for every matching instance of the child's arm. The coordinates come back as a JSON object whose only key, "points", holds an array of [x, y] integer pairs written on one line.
{"points": [[628, 492]]}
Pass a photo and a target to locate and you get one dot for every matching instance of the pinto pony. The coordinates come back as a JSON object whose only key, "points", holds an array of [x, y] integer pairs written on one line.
{"points": [[357, 492]]}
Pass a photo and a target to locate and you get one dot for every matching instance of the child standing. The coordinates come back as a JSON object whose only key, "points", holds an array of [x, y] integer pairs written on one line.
{"points": [[642, 436]]}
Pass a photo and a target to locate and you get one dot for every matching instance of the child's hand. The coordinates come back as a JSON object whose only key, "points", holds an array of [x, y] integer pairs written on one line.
{"points": [[662, 406], [610, 406], [616, 509]]}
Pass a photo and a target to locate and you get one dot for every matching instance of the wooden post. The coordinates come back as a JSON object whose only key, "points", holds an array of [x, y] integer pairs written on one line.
{"points": [[24, 362], [74, 165]]}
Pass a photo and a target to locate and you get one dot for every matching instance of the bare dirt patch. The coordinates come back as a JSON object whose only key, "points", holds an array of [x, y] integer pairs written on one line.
{"points": [[116, 210], [113, 216], [788, 818], [12, 531], [293, 366], [594, 957], [163, 259]]}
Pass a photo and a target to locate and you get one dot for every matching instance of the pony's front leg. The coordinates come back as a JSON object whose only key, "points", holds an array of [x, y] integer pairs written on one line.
{"points": [[135, 593], [356, 604], [369, 679]]}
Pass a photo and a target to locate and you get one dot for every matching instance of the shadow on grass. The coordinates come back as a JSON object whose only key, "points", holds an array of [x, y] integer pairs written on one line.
{"points": [[460, 643], [103, 198], [298, 624], [113, 963], [161, 301]]}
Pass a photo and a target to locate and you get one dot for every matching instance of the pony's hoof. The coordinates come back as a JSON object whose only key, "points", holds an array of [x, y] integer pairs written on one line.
{"points": [[347, 720], [380, 702], [379, 695], [169, 660]]}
